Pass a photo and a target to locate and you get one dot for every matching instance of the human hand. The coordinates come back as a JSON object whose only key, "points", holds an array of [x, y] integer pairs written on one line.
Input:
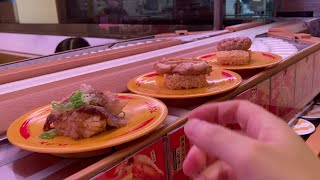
{"points": [[265, 147]]}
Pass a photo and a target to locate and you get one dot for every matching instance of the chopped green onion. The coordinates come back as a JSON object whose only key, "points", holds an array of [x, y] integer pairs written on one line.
{"points": [[76, 96], [56, 105], [78, 104], [48, 134], [75, 101]]}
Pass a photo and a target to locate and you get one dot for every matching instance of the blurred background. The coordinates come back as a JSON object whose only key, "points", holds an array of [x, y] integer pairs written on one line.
{"points": [[38, 27], [124, 18]]}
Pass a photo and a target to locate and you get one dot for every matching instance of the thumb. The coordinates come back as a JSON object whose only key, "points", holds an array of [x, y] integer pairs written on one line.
{"points": [[218, 141]]}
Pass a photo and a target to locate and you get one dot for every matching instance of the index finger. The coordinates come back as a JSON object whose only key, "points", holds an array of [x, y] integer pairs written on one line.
{"points": [[251, 118]]}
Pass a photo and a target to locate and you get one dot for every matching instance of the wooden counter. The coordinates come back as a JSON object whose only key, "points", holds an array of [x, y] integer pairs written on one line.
{"points": [[9, 57]]}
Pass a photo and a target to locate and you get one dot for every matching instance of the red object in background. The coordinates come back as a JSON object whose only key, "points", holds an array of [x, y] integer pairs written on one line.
{"points": [[282, 93], [259, 94], [179, 146], [246, 95], [149, 163], [304, 80], [263, 94]]}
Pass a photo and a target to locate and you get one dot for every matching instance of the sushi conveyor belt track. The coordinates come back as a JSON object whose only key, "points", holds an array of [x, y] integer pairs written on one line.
{"points": [[53, 77]]}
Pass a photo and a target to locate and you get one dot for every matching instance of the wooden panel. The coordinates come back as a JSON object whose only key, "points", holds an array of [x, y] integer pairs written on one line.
{"points": [[19, 54], [291, 27], [291, 36], [282, 92], [260, 94], [316, 74], [311, 40], [281, 35], [7, 58], [243, 26], [247, 95], [304, 80], [263, 94]]}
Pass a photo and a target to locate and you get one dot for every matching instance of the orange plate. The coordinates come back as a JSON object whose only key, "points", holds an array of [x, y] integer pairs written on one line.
{"points": [[304, 127], [314, 113], [152, 84], [258, 60], [144, 115]]}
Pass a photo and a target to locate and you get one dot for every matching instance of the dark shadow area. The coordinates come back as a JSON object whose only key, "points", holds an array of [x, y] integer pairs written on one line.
{"points": [[295, 14], [71, 43]]}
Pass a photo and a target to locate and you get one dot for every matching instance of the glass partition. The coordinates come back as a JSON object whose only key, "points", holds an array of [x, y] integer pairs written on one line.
{"points": [[250, 9], [43, 27], [137, 11], [50, 26]]}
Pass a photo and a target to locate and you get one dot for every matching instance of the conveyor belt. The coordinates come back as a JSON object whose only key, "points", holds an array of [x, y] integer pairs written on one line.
{"points": [[36, 81], [109, 46], [79, 52]]}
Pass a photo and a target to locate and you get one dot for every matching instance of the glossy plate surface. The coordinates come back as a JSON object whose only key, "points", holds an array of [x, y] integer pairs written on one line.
{"points": [[144, 114], [304, 127], [258, 60], [152, 84], [314, 113]]}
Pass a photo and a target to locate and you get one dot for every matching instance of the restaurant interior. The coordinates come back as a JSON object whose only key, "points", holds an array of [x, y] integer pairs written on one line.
{"points": [[104, 64]]}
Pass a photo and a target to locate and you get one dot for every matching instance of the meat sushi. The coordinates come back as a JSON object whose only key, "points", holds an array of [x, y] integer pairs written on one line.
{"points": [[85, 113]]}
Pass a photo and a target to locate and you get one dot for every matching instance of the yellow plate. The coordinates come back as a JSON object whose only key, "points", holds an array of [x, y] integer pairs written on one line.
{"points": [[152, 84], [144, 115], [258, 60]]}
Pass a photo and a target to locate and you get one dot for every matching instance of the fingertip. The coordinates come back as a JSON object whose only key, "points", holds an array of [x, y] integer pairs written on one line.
{"points": [[186, 169], [189, 127], [194, 162], [216, 141]]}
